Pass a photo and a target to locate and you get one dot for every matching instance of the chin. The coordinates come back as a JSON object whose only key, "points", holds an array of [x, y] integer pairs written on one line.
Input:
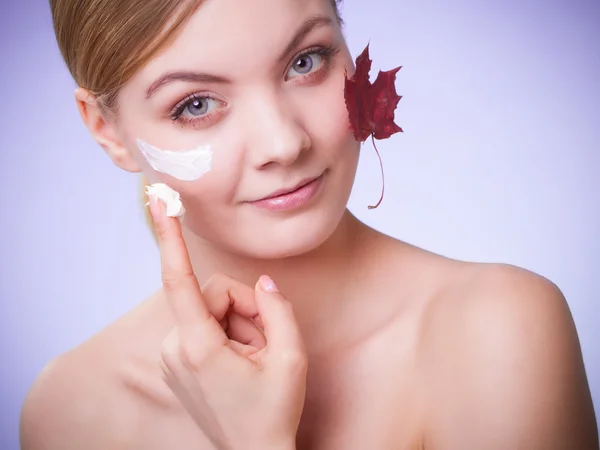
{"points": [[267, 236], [277, 235], [291, 236]]}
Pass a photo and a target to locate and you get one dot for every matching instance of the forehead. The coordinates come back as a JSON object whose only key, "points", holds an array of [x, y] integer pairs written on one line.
{"points": [[223, 35]]}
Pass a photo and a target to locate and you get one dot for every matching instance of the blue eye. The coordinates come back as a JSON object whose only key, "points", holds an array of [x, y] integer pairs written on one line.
{"points": [[198, 106], [306, 63]]}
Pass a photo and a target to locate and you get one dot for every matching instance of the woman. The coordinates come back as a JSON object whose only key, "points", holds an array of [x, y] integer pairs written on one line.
{"points": [[354, 340]]}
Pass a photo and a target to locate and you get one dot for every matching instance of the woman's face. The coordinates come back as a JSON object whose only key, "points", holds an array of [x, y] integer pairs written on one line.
{"points": [[262, 83]]}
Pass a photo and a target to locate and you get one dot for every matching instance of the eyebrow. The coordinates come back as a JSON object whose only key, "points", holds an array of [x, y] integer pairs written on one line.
{"points": [[189, 77], [308, 26], [195, 77]]}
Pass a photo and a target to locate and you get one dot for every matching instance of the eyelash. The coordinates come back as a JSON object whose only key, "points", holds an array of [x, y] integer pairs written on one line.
{"points": [[327, 53], [189, 99]]}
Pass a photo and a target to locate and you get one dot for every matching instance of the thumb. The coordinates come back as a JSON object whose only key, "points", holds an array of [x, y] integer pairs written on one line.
{"points": [[284, 340]]}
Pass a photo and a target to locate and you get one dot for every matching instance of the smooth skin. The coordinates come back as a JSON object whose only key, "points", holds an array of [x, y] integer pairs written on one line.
{"points": [[366, 342], [486, 358], [235, 392]]}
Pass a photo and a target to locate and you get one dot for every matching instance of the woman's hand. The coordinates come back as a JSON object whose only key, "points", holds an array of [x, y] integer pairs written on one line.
{"points": [[241, 393], [233, 305]]}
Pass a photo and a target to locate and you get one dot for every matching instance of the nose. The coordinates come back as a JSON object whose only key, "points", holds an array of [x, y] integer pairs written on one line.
{"points": [[278, 134]]}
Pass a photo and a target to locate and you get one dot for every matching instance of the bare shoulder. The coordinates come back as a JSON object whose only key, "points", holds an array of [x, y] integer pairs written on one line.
{"points": [[79, 400], [500, 298], [501, 354], [69, 406]]}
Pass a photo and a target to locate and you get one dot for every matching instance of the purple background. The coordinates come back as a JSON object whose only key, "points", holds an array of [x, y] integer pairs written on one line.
{"points": [[499, 162]]}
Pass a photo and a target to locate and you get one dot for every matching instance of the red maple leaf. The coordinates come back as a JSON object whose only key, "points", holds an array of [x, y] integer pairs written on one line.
{"points": [[371, 106]]}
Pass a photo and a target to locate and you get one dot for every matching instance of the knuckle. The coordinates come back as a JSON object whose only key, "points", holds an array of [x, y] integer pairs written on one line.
{"points": [[294, 360], [216, 292], [196, 357], [177, 353], [161, 231], [193, 354], [173, 281], [170, 354]]}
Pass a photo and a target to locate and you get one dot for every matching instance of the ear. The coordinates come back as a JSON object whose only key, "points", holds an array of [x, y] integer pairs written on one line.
{"points": [[104, 130]]}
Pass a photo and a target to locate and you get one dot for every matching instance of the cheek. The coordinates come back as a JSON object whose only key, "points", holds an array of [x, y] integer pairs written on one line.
{"points": [[330, 124], [218, 182], [206, 201], [217, 187]]}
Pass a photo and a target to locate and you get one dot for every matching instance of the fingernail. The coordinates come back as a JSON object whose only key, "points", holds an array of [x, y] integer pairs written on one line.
{"points": [[267, 284]]}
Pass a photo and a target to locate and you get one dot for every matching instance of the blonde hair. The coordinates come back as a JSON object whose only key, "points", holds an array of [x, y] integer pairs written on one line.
{"points": [[105, 42]]}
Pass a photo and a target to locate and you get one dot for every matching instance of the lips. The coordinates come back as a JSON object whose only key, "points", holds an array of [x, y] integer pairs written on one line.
{"points": [[285, 191], [293, 198]]}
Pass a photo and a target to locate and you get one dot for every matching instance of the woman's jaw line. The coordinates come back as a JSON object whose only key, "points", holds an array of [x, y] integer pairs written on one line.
{"points": [[341, 246]]}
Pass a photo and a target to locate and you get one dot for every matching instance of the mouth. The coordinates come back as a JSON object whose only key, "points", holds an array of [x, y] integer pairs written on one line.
{"points": [[293, 197], [285, 191]]}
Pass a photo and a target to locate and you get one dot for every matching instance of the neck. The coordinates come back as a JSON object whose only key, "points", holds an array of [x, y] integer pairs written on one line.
{"points": [[311, 281]]}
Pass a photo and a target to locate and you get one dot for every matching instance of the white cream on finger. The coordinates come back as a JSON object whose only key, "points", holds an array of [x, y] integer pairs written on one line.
{"points": [[169, 196], [185, 165]]}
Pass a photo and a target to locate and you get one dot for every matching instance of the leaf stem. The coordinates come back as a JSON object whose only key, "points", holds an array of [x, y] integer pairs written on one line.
{"points": [[382, 174]]}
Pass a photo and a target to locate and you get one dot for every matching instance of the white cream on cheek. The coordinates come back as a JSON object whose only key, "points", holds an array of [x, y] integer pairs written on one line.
{"points": [[186, 165]]}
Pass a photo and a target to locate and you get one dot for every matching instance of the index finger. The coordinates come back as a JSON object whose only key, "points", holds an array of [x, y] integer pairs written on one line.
{"points": [[179, 281]]}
